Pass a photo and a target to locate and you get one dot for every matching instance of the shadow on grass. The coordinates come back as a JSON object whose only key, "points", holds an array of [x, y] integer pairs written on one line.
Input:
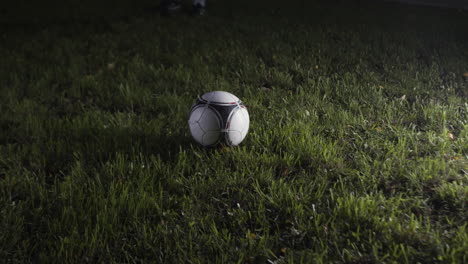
{"points": [[102, 144], [55, 156]]}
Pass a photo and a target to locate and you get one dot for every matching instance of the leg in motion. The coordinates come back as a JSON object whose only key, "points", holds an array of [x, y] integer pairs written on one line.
{"points": [[199, 7]]}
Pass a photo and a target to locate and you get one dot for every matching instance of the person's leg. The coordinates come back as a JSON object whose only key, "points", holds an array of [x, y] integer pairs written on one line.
{"points": [[199, 7], [199, 2]]}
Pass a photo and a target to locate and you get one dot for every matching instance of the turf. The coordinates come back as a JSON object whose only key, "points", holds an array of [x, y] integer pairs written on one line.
{"points": [[357, 150]]}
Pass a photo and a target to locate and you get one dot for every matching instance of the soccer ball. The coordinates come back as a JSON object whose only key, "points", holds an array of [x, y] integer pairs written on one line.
{"points": [[219, 117]]}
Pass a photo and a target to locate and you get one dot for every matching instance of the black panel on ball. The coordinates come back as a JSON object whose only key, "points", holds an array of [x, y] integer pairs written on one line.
{"points": [[223, 110]]}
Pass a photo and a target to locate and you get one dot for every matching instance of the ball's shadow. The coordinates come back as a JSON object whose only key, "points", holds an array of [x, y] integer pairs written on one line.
{"points": [[101, 145]]}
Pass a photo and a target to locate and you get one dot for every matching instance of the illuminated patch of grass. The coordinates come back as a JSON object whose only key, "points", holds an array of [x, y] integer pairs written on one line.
{"points": [[357, 150]]}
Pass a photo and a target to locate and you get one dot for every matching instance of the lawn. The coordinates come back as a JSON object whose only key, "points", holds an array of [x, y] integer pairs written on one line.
{"points": [[357, 150]]}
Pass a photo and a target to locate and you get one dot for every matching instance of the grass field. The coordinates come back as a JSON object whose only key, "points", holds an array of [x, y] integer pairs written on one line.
{"points": [[357, 150]]}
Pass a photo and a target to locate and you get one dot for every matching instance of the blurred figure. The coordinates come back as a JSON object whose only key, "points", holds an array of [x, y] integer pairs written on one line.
{"points": [[170, 6]]}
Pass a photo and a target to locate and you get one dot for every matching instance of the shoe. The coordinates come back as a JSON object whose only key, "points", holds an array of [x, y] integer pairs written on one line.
{"points": [[198, 10], [170, 6], [173, 6]]}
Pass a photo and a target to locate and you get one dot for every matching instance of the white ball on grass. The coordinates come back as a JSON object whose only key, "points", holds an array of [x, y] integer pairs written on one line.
{"points": [[219, 117]]}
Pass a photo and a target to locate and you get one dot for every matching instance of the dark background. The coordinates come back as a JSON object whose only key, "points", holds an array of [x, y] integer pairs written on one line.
{"points": [[30, 11], [27, 11], [444, 3]]}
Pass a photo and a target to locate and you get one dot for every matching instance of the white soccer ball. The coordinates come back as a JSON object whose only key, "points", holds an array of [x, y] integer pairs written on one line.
{"points": [[219, 117]]}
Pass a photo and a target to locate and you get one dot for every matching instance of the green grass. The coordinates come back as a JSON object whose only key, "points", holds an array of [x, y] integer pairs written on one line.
{"points": [[357, 150]]}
